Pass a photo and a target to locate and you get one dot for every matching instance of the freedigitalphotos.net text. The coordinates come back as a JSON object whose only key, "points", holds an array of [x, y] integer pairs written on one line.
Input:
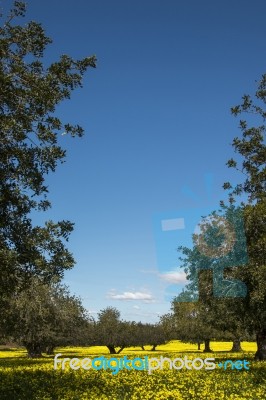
{"points": [[145, 363]]}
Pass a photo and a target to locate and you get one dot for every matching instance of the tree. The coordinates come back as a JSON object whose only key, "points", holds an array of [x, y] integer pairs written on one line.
{"points": [[45, 316], [29, 150], [251, 147], [155, 335], [111, 332], [145, 334], [195, 322], [209, 307], [252, 151], [168, 323], [247, 315], [117, 334]]}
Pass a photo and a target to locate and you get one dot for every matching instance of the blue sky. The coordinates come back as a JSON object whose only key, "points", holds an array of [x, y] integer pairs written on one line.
{"points": [[156, 114]]}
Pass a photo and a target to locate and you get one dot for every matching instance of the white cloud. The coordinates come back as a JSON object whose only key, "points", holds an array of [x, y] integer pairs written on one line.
{"points": [[143, 296], [173, 224], [136, 307], [174, 277]]}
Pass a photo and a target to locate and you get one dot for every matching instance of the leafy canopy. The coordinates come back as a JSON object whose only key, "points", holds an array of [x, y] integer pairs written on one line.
{"points": [[30, 149]]}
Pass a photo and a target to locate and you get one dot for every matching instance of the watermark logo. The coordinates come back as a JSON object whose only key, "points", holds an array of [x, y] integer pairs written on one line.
{"points": [[146, 364], [216, 238], [238, 364]]}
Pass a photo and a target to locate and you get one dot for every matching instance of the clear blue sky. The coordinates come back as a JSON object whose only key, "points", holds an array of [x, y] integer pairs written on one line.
{"points": [[156, 112]]}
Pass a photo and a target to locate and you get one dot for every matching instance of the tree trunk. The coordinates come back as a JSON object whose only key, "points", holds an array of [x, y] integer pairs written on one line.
{"points": [[142, 348], [207, 348], [153, 347], [198, 345], [49, 350], [261, 343], [111, 349], [121, 348], [236, 346], [34, 350]]}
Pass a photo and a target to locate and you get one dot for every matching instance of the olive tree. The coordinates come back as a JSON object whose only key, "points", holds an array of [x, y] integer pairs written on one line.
{"points": [[30, 148]]}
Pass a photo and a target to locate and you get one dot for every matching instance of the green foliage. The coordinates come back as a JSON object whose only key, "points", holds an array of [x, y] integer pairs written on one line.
{"points": [[116, 334], [30, 149], [251, 146], [110, 331], [46, 316], [149, 334], [239, 317]]}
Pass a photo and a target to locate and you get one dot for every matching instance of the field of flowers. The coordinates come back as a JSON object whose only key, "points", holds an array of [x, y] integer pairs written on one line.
{"points": [[36, 379]]}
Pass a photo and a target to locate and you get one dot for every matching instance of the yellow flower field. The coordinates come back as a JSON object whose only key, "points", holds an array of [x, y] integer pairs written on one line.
{"points": [[36, 379]]}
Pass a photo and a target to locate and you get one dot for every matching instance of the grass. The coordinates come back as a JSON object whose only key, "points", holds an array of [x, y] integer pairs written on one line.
{"points": [[36, 379]]}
